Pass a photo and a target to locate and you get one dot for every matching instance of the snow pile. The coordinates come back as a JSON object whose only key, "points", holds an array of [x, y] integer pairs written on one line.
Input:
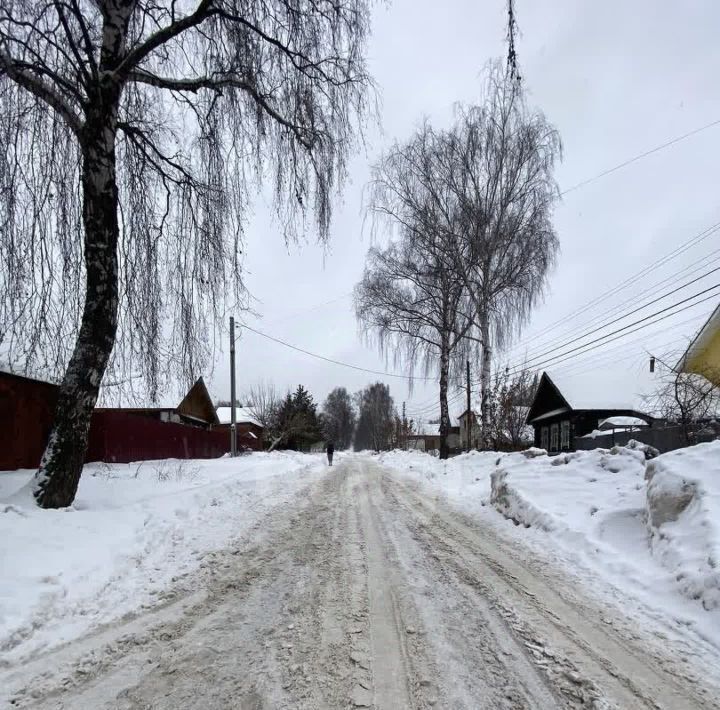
{"points": [[683, 514], [133, 529], [458, 477], [568, 493]]}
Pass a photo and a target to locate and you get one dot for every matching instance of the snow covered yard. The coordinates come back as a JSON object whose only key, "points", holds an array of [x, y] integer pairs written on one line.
{"points": [[652, 548], [133, 529]]}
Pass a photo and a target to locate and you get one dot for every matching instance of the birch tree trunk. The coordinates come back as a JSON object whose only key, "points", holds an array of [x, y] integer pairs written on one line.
{"points": [[58, 476], [444, 412]]}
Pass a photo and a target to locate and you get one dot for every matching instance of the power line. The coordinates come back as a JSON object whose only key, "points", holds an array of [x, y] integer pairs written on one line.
{"points": [[625, 163], [633, 312], [601, 341], [330, 360], [310, 309], [604, 338], [701, 236], [422, 411], [648, 292]]}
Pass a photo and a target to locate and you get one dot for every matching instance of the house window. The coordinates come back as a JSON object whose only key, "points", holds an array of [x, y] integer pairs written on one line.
{"points": [[565, 435], [544, 438], [554, 433]]}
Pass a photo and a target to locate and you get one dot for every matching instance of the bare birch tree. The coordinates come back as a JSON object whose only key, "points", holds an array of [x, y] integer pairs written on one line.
{"points": [[262, 401], [498, 164], [131, 135], [410, 299]]}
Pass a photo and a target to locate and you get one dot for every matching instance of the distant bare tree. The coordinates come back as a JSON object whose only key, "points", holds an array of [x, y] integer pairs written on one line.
{"points": [[376, 418], [410, 299], [262, 400], [510, 400], [685, 398], [131, 135], [339, 418]]}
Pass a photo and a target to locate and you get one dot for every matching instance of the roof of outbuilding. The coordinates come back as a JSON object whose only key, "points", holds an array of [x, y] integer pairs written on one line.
{"points": [[243, 415]]}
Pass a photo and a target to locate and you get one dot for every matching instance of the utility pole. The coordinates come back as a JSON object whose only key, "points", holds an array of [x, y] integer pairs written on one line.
{"points": [[233, 429], [469, 414], [404, 429]]}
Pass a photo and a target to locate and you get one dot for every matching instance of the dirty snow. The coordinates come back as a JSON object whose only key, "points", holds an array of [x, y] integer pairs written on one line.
{"points": [[132, 530], [683, 512], [588, 511]]}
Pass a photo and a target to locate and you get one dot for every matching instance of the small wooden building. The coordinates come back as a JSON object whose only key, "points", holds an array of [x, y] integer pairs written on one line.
{"points": [[558, 417], [249, 429]]}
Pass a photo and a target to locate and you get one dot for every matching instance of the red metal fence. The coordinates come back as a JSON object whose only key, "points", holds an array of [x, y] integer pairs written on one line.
{"points": [[26, 411], [119, 437]]}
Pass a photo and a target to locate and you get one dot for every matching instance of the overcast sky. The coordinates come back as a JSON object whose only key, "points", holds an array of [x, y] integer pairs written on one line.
{"points": [[616, 79]]}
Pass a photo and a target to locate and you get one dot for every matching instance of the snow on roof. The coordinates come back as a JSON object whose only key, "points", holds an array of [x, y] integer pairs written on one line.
{"points": [[551, 413], [577, 391], [612, 422], [243, 415]]}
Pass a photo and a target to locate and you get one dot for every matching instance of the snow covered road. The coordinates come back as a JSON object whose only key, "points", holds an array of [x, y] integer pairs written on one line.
{"points": [[365, 590]]}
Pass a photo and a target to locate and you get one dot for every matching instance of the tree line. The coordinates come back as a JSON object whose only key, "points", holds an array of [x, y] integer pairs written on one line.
{"points": [[367, 419]]}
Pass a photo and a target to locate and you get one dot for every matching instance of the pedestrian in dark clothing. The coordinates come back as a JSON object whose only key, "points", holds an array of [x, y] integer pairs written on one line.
{"points": [[330, 448]]}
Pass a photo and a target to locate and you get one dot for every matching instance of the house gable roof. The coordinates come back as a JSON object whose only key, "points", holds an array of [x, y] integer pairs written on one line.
{"points": [[198, 405], [554, 397], [243, 415], [548, 398]]}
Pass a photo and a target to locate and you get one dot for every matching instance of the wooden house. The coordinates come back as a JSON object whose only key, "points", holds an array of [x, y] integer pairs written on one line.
{"points": [[558, 415]]}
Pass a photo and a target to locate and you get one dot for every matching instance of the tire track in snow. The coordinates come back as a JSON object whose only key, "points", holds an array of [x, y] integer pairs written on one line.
{"points": [[586, 659]]}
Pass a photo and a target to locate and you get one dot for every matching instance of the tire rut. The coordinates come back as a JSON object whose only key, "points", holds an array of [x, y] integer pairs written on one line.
{"points": [[584, 659]]}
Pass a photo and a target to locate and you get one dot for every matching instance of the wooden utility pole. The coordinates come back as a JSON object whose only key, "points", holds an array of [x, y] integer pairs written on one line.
{"points": [[469, 424], [233, 429], [404, 430]]}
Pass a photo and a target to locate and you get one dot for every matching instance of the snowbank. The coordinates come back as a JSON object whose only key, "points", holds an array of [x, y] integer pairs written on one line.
{"points": [[588, 511], [132, 529], [568, 493], [683, 514]]}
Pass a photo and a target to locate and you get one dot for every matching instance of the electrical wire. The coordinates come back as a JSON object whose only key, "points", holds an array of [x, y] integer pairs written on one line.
{"points": [[630, 161], [693, 241], [330, 360], [649, 292], [633, 312], [598, 342]]}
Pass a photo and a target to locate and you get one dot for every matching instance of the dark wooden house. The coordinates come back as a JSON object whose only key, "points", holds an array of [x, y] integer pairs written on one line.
{"points": [[558, 417]]}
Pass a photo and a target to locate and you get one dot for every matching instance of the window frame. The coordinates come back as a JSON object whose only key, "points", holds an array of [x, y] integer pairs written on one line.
{"points": [[565, 434], [544, 438], [555, 437]]}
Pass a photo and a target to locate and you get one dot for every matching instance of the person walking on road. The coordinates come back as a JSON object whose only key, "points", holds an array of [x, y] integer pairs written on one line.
{"points": [[330, 448]]}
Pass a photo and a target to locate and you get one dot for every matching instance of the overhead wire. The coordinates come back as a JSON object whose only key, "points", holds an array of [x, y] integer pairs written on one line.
{"points": [[640, 156], [608, 324], [696, 239], [331, 360], [647, 293], [598, 342]]}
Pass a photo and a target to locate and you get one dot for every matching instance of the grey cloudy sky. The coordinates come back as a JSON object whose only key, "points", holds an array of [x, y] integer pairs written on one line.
{"points": [[617, 79]]}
